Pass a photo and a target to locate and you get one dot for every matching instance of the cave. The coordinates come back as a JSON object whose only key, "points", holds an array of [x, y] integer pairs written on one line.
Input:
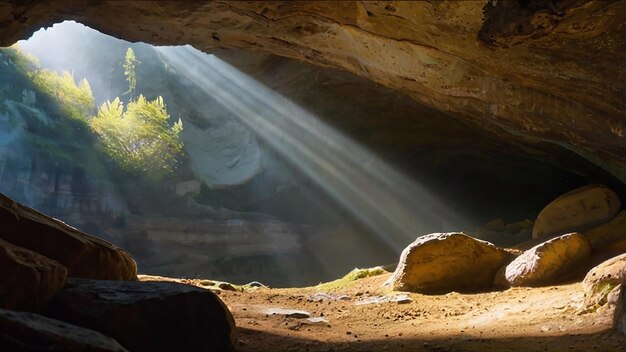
{"points": [[297, 141]]}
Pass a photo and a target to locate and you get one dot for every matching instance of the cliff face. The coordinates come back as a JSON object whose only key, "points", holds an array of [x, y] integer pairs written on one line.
{"points": [[539, 69]]}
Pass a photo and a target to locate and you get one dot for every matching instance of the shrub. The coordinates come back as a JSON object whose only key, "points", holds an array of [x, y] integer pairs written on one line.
{"points": [[139, 138]]}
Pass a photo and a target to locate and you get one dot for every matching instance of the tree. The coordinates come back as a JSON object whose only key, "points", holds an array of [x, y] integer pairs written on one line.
{"points": [[73, 100], [130, 62], [139, 139]]}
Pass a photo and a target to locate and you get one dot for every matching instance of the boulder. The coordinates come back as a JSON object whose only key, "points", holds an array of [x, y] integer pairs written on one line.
{"points": [[28, 280], [608, 234], [444, 262], [547, 263], [22, 331], [148, 316], [603, 280], [83, 255], [577, 211]]}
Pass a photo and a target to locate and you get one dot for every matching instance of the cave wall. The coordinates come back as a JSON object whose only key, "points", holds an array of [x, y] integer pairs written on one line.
{"points": [[539, 69]]}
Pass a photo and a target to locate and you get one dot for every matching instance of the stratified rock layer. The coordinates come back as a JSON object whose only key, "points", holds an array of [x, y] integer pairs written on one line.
{"points": [[83, 255], [148, 316], [443, 262], [21, 331], [577, 210], [547, 263], [27, 280]]}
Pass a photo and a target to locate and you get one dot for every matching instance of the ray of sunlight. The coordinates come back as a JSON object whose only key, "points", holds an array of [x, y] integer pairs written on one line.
{"points": [[388, 203]]}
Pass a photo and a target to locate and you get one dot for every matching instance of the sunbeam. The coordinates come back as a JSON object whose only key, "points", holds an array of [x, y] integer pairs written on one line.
{"points": [[388, 203]]}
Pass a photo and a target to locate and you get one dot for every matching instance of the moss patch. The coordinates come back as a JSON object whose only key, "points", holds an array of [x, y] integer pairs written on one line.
{"points": [[350, 278]]}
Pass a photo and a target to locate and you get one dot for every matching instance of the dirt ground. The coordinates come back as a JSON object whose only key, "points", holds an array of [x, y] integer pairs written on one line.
{"points": [[518, 319]]}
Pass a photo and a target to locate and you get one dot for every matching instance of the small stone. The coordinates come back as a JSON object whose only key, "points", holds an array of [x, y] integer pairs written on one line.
{"points": [[226, 286], [289, 313]]}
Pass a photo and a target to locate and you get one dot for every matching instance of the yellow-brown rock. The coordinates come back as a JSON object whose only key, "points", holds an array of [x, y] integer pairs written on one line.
{"points": [[547, 263], [577, 211], [609, 233], [602, 280], [444, 262], [83, 255], [28, 280]]}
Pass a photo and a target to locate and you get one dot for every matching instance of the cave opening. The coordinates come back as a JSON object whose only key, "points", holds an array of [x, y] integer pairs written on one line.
{"points": [[313, 176], [285, 167]]}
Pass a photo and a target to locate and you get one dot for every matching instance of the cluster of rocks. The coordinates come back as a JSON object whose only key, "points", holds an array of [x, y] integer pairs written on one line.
{"points": [[577, 231], [65, 290]]}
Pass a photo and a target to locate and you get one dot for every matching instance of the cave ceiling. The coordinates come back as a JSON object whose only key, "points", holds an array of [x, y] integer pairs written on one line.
{"points": [[539, 70]]}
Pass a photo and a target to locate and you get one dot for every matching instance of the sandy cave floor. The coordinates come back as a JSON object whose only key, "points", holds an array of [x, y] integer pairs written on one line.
{"points": [[518, 319]]}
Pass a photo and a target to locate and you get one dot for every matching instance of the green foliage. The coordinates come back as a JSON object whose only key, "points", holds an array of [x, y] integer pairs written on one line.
{"points": [[139, 139], [74, 101], [130, 62], [350, 278], [22, 61]]}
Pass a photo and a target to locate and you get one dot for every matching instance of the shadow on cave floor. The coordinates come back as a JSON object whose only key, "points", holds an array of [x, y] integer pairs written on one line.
{"points": [[255, 340]]}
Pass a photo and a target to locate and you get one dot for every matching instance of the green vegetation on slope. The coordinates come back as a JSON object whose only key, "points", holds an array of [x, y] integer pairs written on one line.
{"points": [[139, 139]]}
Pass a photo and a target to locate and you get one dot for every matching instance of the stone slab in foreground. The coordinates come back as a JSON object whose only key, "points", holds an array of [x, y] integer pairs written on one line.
{"points": [[22, 331], [148, 316]]}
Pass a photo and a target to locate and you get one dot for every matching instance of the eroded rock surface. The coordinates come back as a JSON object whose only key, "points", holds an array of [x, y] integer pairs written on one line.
{"points": [[83, 255], [577, 210], [23, 331], [27, 280], [603, 280], [443, 262], [547, 263], [148, 316]]}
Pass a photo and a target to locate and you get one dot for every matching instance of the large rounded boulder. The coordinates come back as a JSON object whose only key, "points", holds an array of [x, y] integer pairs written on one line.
{"points": [[444, 262], [547, 263], [84, 256], [577, 211]]}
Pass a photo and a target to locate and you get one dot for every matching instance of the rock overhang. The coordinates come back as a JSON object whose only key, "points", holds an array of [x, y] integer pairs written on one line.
{"points": [[560, 83]]}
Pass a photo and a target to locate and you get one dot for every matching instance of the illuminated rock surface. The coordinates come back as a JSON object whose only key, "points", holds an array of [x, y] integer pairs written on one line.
{"points": [[577, 210], [547, 263], [602, 280], [444, 262]]}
